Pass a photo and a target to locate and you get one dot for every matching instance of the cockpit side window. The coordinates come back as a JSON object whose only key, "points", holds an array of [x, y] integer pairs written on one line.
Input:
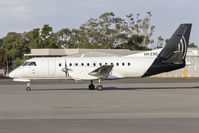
{"points": [[32, 64], [25, 63]]}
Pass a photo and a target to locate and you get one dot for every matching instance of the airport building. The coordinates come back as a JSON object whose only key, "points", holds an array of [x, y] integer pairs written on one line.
{"points": [[191, 70], [79, 52]]}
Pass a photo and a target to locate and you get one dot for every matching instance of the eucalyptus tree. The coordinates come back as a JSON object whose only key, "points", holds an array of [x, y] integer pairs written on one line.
{"points": [[140, 26], [63, 38]]}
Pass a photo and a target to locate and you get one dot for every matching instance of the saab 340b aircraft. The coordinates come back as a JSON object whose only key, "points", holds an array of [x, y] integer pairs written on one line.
{"points": [[144, 64]]}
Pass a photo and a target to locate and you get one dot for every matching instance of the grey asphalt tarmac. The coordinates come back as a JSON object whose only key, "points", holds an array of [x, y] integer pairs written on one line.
{"points": [[151, 105]]}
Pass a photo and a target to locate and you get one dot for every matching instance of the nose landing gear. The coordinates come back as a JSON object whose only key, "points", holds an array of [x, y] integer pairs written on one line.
{"points": [[28, 87]]}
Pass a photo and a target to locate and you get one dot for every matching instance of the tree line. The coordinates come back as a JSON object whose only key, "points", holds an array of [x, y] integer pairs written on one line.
{"points": [[108, 31]]}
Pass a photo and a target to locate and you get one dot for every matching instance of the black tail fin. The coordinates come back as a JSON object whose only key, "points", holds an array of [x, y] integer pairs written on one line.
{"points": [[177, 45], [173, 55]]}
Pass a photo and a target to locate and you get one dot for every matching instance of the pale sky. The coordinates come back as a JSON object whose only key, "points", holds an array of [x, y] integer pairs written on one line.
{"points": [[167, 15]]}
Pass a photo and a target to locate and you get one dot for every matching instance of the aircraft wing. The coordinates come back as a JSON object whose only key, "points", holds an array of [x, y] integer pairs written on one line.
{"points": [[102, 72]]}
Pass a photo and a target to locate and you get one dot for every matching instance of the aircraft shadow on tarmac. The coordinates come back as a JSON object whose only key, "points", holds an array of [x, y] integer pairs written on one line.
{"points": [[116, 88]]}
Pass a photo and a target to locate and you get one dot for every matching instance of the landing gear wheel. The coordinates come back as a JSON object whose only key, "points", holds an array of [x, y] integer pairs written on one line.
{"points": [[28, 89], [91, 87], [99, 87]]}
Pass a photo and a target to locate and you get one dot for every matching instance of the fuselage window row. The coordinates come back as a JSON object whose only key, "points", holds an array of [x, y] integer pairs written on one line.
{"points": [[100, 64]]}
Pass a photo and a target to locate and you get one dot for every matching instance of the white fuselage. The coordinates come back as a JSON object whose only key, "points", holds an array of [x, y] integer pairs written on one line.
{"points": [[80, 67]]}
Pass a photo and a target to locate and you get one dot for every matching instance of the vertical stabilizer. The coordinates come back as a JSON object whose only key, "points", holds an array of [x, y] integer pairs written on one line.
{"points": [[173, 55], [178, 43]]}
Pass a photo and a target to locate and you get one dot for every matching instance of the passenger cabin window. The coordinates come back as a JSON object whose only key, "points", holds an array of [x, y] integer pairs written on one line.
{"points": [[88, 64], [82, 64], [129, 64], [117, 64], [32, 64], [105, 63], [76, 64], [70, 64], [111, 63], [94, 64], [123, 64], [100, 64], [59, 64]]}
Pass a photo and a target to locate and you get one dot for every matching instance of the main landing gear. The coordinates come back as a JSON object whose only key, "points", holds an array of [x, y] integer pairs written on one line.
{"points": [[91, 86], [99, 87], [28, 87]]}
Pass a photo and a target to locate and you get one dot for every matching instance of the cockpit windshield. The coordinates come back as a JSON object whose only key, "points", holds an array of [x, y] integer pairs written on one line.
{"points": [[29, 64], [32, 64], [25, 63]]}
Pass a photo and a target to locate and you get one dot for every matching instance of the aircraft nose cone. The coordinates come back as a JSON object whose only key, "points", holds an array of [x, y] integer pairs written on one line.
{"points": [[12, 75]]}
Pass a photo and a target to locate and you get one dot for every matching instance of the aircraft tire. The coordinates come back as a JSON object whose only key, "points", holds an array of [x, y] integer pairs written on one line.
{"points": [[28, 89], [91, 87], [99, 87]]}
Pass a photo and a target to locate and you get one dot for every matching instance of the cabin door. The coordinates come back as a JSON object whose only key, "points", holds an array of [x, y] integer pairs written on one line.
{"points": [[51, 68]]}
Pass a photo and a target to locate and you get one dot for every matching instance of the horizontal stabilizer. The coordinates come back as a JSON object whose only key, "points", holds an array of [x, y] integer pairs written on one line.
{"points": [[175, 58]]}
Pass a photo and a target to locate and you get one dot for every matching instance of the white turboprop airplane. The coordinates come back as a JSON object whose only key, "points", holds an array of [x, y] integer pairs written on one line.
{"points": [[144, 64]]}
